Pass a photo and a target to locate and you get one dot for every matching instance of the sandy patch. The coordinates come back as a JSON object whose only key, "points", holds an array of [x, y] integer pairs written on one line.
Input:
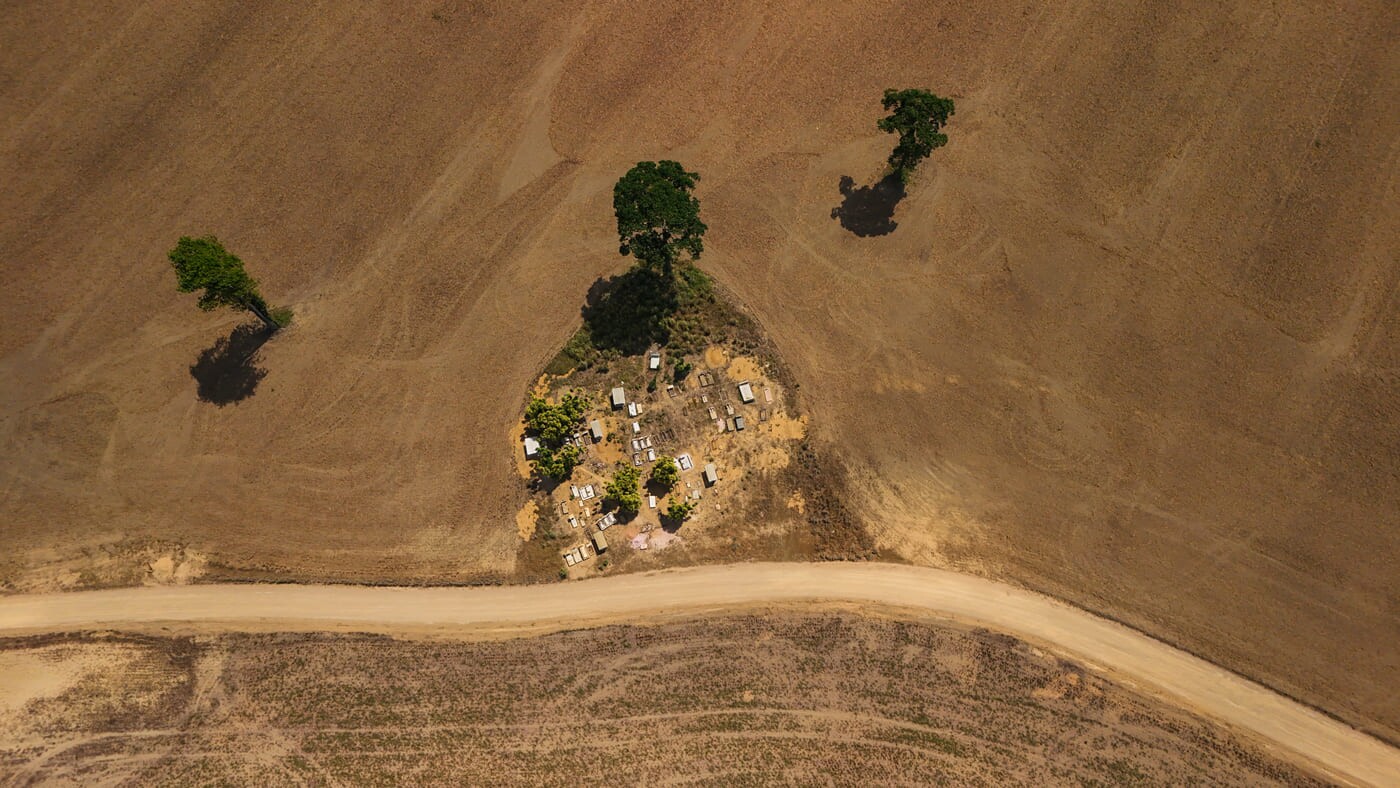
{"points": [[661, 539], [526, 519], [745, 368], [541, 386], [517, 438], [177, 567], [780, 425], [886, 382], [30, 675], [771, 458], [609, 452], [797, 502], [716, 357]]}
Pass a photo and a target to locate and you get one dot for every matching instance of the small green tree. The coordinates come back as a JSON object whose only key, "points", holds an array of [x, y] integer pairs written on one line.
{"points": [[917, 116], [622, 490], [657, 217], [679, 511], [204, 264], [665, 474]]}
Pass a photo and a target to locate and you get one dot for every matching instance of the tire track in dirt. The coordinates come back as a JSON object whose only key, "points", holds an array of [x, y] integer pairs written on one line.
{"points": [[1132, 657]]}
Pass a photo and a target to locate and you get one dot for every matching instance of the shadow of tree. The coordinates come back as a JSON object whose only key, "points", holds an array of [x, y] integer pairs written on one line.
{"points": [[228, 372], [628, 312], [869, 210]]}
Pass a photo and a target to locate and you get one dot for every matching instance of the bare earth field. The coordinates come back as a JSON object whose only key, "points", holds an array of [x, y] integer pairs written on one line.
{"points": [[1134, 340], [776, 698]]}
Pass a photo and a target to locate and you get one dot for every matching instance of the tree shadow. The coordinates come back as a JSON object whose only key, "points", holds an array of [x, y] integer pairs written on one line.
{"points": [[628, 312], [869, 210], [228, 372]]}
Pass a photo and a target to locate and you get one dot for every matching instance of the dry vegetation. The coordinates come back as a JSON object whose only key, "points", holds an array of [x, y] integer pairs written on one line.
{"points": [[777, 698], [1132, 341]]}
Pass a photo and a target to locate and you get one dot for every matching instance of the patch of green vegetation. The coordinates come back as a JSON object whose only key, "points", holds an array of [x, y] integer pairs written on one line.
{"points": [[578, 353], [554, 423], [682, 369], [204, 264], [642, 307], [623, 490], [693, 286], [679, 511], [658, 219], [557, 463], [918, 117], [665, 474]]}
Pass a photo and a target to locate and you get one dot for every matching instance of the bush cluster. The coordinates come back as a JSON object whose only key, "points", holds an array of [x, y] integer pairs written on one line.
{"points": [[553, 424]]}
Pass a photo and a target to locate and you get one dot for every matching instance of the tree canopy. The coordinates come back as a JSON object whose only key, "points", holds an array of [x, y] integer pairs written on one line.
{"points": [[554, 423], [917, 116], [204, 264], [657, 217], [557, 462], [665, 474], [622, 490]]}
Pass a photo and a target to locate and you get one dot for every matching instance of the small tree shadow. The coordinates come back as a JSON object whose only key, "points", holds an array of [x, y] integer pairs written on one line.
{"points": [[869, 210], [228, 372]]}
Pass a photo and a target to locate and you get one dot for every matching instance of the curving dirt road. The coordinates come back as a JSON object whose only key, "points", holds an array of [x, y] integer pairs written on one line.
{"points": [[1129, 656]]}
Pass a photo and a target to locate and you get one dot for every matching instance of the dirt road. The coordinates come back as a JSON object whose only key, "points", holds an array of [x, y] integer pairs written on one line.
{"points": [[1128, 655]]}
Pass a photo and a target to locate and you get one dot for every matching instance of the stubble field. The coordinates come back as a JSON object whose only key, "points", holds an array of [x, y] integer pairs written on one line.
{"points": [[769, 698], [1133, 341]]}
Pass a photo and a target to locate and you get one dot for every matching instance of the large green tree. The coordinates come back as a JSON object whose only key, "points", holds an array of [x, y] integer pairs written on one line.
{"points": [[554, 423], [918, 117], [204, 264], [658, 219], [557, 463]]}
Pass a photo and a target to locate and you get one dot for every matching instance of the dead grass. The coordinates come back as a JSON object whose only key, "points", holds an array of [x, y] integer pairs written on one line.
{"points": [[781, 697]]}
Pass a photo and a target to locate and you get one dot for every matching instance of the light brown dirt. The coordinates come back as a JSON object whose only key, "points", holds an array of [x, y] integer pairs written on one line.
{"points": [[914, 592], [798, 699], [1134, 341], [526, 520]]}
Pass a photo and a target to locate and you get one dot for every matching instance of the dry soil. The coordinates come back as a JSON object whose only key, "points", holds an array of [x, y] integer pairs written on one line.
{"points": [[779, 698], [1132, 340]]}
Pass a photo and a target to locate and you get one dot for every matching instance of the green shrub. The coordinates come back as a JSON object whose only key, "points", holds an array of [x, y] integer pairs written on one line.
{"points": [[665, 474], [623, 491], [680, 510]]}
